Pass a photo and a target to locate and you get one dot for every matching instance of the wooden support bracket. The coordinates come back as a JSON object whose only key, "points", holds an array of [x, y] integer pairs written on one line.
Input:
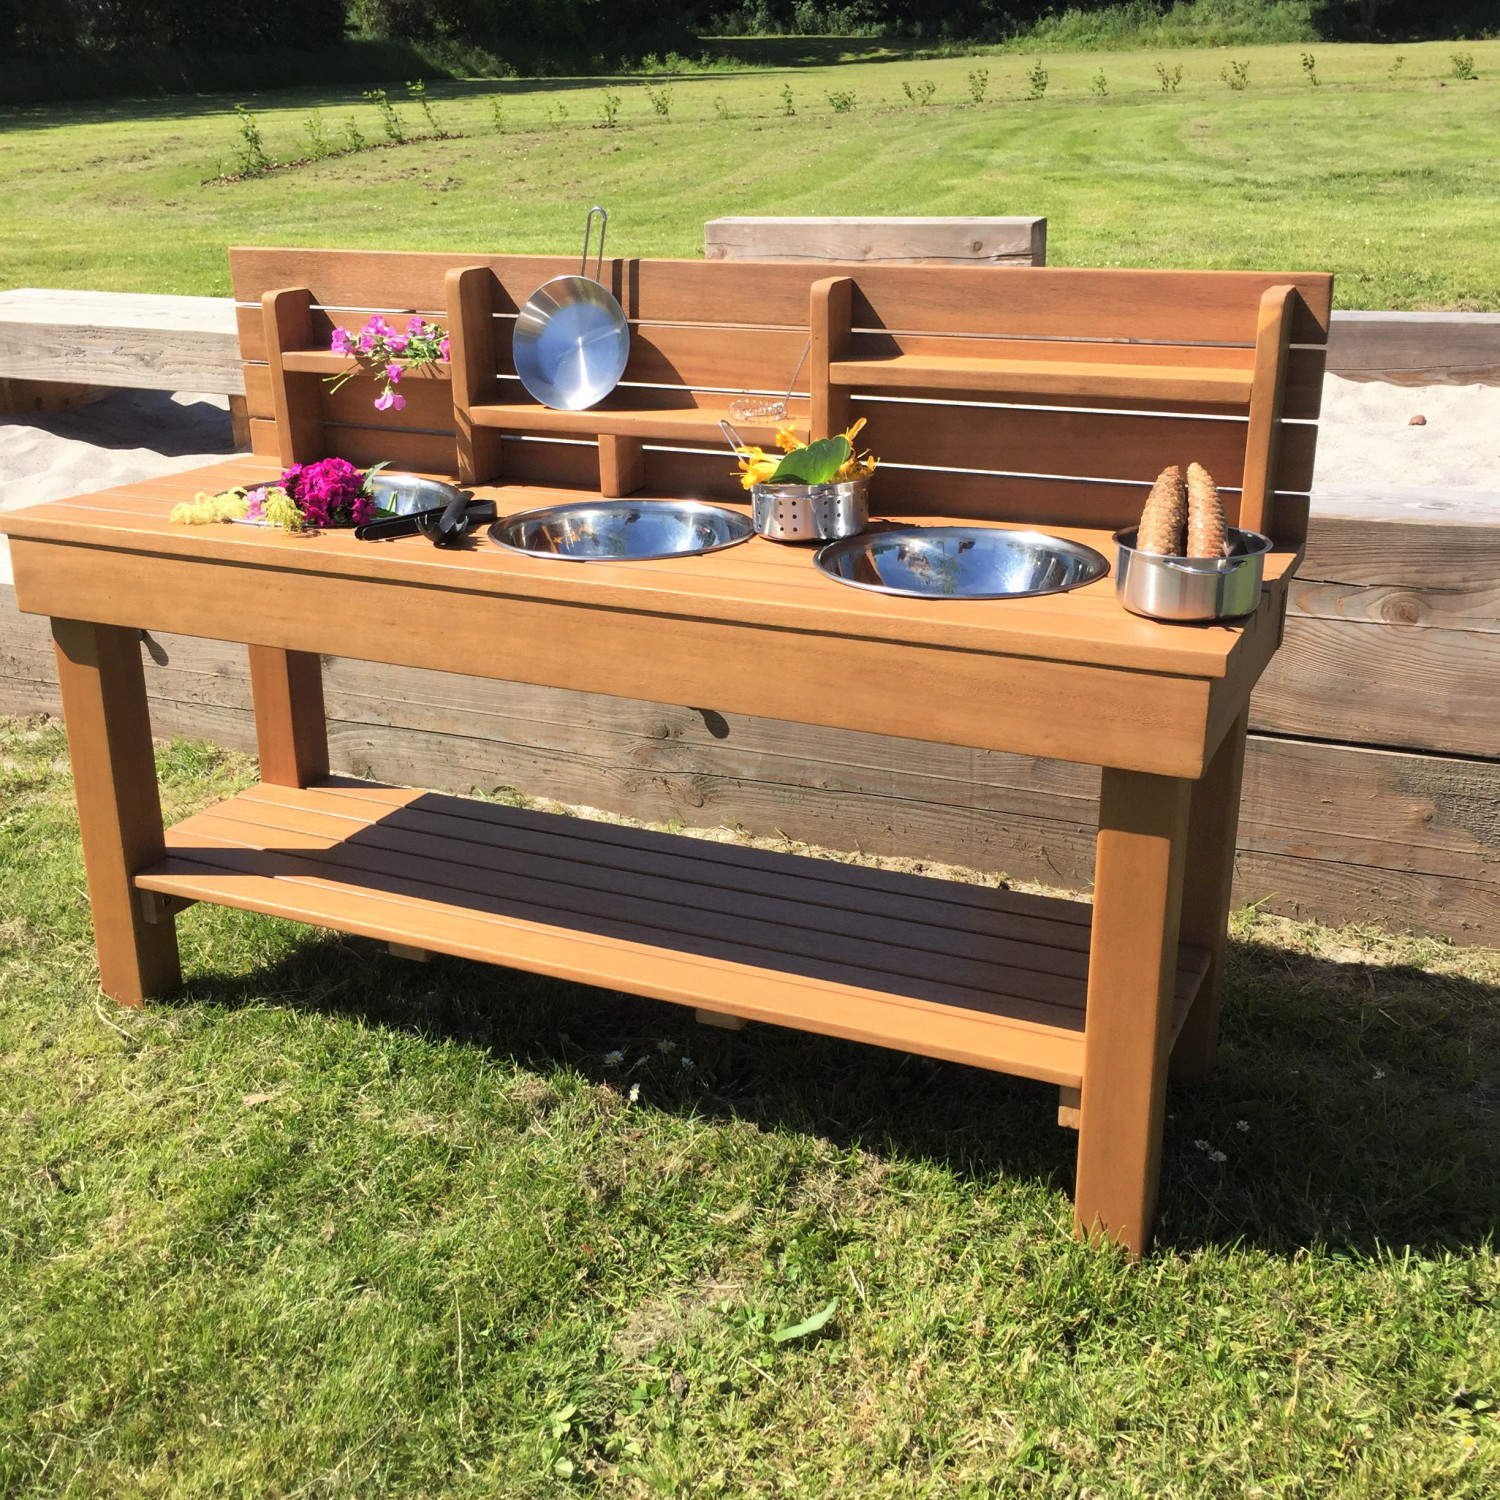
{"points": [[622, 464], [410, 954], [1069, 1106], [470, 293], [830, 327], [720, 1019], [158, 907]]}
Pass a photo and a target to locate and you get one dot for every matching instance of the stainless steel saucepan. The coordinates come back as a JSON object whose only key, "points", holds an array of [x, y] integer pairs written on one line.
{"points": [[572, 341]]}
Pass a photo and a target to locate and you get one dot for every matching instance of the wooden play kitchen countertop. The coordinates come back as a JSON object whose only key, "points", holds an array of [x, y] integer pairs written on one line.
{"points": [[986, 977], [1034, 398]]}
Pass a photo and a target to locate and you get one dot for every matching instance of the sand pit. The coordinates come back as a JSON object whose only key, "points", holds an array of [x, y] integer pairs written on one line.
{"points": [[128, 436]]}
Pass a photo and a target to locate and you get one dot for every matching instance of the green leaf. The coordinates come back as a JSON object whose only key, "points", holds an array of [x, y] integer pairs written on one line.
{"points": [[818, 1319], [815, 464]]}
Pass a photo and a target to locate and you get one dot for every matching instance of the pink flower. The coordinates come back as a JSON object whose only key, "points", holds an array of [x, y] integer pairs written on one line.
{"points": [[342, 343], [416, 327], [443, 349], [397, 343], [385, 400], [393, 373], [367, 340], [398, 402], [377, 325]]}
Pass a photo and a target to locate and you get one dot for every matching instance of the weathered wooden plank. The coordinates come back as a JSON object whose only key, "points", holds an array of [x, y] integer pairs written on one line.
{"points": [[1467, 606], [1400, 552], [120, 339], [1416, 348], [1427, 688], [1016, 241]]}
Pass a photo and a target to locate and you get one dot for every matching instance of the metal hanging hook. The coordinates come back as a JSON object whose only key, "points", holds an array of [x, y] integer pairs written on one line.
{"points": [[588, 234]]}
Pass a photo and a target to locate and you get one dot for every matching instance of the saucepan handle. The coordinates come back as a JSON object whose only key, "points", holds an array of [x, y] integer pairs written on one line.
{"points": [[588, 234]]}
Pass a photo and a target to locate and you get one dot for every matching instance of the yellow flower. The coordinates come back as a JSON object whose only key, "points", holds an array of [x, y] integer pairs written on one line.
{"points": [[786, 436], [204, 508]]}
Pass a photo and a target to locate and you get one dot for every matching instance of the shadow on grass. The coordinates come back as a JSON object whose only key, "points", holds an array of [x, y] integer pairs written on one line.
{"points": [[1353, 1102]]}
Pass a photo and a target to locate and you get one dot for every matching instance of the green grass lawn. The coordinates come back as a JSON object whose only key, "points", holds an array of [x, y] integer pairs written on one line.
{"points": [[330, 1224], [1393, 183]]}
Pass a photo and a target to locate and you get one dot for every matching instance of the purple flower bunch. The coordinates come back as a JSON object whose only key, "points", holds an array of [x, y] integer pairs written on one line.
{"points": [[391, 352], [330, 492]]}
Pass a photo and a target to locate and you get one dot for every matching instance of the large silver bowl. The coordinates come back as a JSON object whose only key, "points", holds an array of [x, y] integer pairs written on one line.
{"points": [[961, 562], [623, 530], [405, 494], [571, 343]]}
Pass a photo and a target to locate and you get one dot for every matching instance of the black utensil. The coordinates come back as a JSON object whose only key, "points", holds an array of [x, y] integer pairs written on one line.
{"points": [[460, 515]]}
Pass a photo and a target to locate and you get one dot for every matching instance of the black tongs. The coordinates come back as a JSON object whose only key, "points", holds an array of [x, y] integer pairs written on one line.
{"points": [[445, 526]]}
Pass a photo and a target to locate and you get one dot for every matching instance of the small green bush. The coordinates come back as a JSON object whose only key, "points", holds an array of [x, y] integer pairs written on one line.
{"points": [[979, 82], [250, 156], [1237, 75], [920, 94], [660, 100], [1463, 66], [1171, 78], [609, 108], [390, 121], [842, 101], [1099, 84], [1037, 79]]}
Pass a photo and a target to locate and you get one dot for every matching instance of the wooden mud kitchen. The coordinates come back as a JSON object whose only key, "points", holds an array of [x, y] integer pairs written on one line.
{"points": [[996, 398]]}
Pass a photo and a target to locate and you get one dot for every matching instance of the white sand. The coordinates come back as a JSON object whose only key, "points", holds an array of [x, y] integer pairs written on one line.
{"points": [[1368, 451], [128, 436], [1369, 456]]}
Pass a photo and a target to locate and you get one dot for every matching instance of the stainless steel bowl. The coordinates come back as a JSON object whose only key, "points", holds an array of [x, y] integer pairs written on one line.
{"points": [[405, 494], [962, 562], [810, 512], [623, 530], [1191, 588]]}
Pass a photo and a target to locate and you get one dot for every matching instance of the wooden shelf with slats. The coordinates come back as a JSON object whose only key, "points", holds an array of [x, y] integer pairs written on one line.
{"points": [[1056, 378], [988, 977], [681, 423], [326, 362]]}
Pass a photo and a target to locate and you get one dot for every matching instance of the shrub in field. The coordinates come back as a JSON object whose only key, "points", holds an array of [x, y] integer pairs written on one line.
{"points": [[919, 94], [318, 144], [660, 100], [721, 107], [609, 108], [1171, 78], [1393, 72], [353, 137], [842, 101], [979, 82], [1099, 84], [787, 107], [418, 93], [250, 156], [390, 121], [1310, 67], [1463, 65], [497, 113], [1237, 75], [1037, 79]]}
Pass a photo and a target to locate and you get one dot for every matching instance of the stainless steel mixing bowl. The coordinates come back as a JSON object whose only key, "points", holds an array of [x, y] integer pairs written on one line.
{"points": [[623, 530], [961, 562]]}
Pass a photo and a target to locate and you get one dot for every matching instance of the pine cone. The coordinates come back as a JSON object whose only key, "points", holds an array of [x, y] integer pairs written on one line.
{"points": [[1206, 532], [1164, 516]]}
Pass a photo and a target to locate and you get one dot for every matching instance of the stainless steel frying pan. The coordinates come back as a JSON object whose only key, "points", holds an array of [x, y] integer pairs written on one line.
{"points": [[571, 340]]}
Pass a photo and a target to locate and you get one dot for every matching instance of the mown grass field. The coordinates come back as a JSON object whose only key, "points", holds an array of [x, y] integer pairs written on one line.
{"points": [[1391, 182], [330, 1224]]}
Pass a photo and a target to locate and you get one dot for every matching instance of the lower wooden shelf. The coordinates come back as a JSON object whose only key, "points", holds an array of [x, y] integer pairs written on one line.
{"points": [[987, 977]]}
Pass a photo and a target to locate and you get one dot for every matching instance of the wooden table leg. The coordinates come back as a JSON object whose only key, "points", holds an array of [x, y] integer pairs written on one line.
{"points": [[1213, 822], [1132, 970], [119, 806], [291, 728]]}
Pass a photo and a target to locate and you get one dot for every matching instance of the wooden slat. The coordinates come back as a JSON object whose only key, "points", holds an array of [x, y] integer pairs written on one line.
{"points": [[685, 423], [912, 241], [1083, 444], [1056, 378], [1168, 306]]}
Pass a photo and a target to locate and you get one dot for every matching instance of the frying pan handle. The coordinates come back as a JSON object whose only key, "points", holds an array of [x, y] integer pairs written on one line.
{"points": [[588, 234]]}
